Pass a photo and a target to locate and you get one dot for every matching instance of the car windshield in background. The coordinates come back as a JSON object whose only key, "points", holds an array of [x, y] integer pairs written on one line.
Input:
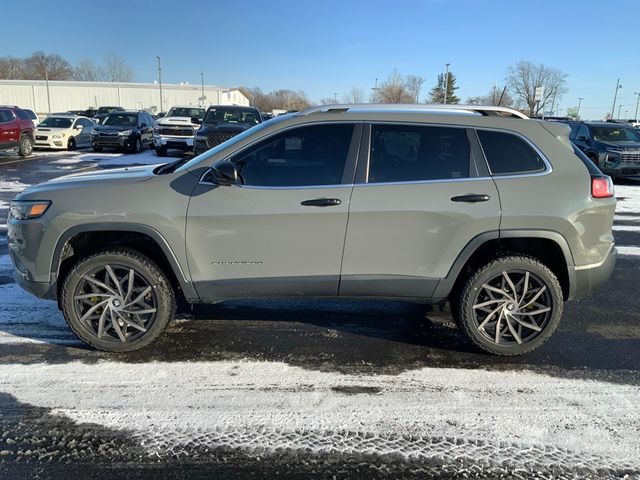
{"points": [[231, 115], [186, 112], [56, 122], [615, 134], [119, 119]]}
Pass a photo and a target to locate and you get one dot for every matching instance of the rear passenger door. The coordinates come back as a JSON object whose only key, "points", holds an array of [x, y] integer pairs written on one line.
{"points": [[421, 198]]}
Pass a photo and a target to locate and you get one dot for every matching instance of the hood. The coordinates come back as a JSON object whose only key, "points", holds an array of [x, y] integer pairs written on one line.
{"points": [[223, 128], [621, 145], [52, 129], [92, 179], [114, 128], [183, 121]]}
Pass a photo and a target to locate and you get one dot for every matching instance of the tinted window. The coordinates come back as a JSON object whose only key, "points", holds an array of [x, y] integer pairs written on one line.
{"points": [[56, 122], [403, 153], [314, 155], [232, 115], [615, 133], [23, 115], [122, 119], [6, 116], [582, 132], [509, 154], [186, 112]]}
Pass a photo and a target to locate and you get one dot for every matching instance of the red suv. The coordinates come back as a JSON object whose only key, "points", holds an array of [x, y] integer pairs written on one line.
{"points": [[16, 130]]}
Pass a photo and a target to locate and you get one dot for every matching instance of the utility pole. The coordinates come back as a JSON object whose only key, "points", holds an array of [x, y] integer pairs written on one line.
{"points": [[446, 82], [335, 98], [46, 79], [635, 117], [578, 110], [202, 79], [615, 96], [160, 84], [619, 107], [375, 90]]}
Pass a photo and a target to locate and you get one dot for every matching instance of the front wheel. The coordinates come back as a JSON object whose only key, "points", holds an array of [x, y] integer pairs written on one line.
{"points": [[137, 146], [25, 146], [117, 300], [71, 144], [510, 306]]}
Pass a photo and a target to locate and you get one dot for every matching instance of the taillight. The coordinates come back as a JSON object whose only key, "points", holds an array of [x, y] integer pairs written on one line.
{"points": [[602, 187]]}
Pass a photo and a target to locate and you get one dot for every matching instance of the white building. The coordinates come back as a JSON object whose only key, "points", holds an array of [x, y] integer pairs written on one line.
{"points": [[60, 96]]}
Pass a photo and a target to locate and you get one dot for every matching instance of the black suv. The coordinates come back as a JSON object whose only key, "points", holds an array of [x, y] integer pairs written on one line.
{"points": [[614, 147], [221, 122], [131, 130]]}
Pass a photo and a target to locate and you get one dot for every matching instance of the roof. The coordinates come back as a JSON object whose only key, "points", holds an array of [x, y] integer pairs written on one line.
{"points": [[447, 109]]}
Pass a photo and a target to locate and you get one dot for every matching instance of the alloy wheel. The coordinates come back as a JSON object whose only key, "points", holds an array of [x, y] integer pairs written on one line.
{"points": [[512, 307], [115, 303]]}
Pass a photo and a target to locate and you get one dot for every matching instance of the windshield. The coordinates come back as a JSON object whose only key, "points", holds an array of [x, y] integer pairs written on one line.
{"points": [[56, 122], [231, 115], [122, 119], [186, 112], [232, 141], [104, 110], [615, 134]]}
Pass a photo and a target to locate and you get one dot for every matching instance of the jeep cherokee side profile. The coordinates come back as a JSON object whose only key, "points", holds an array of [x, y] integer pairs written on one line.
{"points": [[498, 214]]}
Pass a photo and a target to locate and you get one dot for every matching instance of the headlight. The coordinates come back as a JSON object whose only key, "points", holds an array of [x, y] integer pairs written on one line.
{"points": [[28, 210], [125, 133], [58, 135], [94, 133]]}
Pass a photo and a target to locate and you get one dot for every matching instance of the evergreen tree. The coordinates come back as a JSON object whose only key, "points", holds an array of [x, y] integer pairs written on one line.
{"points": [[437, 93]]}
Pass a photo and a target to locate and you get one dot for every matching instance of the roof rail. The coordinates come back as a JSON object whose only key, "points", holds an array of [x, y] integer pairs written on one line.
{"points": [[485, 110]]}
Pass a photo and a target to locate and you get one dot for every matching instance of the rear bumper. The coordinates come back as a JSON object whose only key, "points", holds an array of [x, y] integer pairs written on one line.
{"points": [[586, 279]]}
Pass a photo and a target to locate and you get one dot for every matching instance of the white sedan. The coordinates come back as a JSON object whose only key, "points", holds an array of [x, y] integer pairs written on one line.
{"points": [[64, 132]]}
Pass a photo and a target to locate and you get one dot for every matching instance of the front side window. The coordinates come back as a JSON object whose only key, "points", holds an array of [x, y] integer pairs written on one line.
{"points": [[615, 133], [406, 153], [6, 116], [312, 155], [508, 154]]}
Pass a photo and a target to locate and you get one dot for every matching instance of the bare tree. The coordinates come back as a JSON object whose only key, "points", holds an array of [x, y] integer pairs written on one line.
{"points": [[414, 85], [116, 70], [327, 101], [393, 90], [497, 96], [11, 68], [40, 65], [88, 71], [524, 77], [280, 99], [354, 95]]}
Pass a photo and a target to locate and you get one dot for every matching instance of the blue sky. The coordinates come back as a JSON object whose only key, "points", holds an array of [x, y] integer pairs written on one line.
{"points": [[328, 46]]}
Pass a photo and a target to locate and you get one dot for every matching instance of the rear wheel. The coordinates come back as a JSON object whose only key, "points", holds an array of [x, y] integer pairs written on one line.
{"points": [[117, 300], [510, 306], [25, 146], [97, 149]]}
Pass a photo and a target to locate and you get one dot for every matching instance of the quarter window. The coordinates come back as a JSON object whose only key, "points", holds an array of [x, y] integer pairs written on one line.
{"points": [[312, 155], [405, 153], [582, 133], [509, 154]]}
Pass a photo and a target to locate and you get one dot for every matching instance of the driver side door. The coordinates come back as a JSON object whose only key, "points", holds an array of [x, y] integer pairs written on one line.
{"points": [[279, 231]]}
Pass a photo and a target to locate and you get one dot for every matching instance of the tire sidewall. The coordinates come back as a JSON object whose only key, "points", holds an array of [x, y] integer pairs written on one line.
{"points": [[487, 272], [144, 267], [25, 140]]}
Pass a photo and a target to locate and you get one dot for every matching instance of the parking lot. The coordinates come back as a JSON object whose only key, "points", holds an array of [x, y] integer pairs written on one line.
{"points": [[303, 388]]}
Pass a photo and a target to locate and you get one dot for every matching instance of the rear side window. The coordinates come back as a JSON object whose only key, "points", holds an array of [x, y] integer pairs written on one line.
{"points": [[23, 114], [5, 116], [406, 153], [509, 154]]}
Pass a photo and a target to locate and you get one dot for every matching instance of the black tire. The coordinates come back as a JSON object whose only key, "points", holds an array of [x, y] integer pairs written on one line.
{"points": [[161, 151], [137, 146], [147, 271], [71, 144], [25, 146], [536, 273], [97, 149]]}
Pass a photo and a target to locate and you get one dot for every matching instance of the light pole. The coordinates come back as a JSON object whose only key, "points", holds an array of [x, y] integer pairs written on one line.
{"points": [[446, 82], [578, 110], [335, 98], [635, 117], [202, 79], [46, 78], [615, 96], [160, 83], [619, 107], [375, 91]]}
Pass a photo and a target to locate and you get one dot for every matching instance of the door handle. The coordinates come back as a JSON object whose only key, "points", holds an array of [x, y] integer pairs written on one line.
{"points": [[321, 202], [471, 198]]}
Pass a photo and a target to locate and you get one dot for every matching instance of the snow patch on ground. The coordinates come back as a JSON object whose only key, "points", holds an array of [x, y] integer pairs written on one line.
{"points": [[448, 414], [11, 185], [625, 250], [4, 204], [629, 198]]}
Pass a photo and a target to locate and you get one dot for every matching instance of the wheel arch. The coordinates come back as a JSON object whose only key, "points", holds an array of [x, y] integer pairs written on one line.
{"points": [[550, 247], [82, 240]]}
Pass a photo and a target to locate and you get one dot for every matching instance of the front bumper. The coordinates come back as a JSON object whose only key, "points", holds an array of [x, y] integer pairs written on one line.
{"points": [[586, 279], [44, 290], [173, 141], [115, 142], [49, 142]]}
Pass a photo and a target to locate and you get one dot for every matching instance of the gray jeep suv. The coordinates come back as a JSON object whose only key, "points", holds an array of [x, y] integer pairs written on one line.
{"points": [[479, 206]]}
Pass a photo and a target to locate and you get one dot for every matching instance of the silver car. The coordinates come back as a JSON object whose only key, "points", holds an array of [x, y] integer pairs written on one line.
{"points": [[479, 206]]}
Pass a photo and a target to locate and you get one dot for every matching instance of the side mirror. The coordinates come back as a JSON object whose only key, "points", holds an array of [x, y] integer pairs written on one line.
{"points": [[225, 173], [79, 127], [195, 120]]}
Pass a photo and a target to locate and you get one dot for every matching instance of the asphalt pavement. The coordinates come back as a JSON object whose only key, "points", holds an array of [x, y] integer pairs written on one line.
{"points": [[316, 388]]}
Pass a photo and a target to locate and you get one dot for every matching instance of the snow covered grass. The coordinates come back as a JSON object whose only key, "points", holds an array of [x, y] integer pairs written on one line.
{"points": [[11, 185], [630, 195], [107, 159]]}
